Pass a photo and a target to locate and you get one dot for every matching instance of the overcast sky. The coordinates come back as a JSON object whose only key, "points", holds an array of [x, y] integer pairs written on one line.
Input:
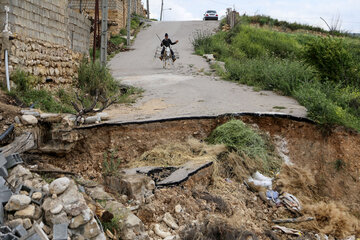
{"points": [[303, 11]]}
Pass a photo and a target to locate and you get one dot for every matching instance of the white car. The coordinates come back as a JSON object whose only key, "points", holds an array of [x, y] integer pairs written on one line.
{"points": [[211, 15]]}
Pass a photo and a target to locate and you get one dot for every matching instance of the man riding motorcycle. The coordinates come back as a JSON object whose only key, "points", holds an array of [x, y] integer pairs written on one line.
{"points": [[166, 43]]}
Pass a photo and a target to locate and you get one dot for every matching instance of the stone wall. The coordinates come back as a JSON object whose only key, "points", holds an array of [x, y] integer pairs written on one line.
{"points": [[117, 11], [50, 38]]}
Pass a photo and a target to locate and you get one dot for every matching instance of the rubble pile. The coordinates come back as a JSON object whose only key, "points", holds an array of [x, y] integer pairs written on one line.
{"points": [[35, 209]]}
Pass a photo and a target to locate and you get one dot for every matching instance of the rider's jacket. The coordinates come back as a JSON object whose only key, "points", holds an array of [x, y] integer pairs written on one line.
{"points": [[167, 42]]}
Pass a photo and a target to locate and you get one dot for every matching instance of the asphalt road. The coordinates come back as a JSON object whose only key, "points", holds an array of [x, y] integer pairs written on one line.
{"points": [[188, 88]]}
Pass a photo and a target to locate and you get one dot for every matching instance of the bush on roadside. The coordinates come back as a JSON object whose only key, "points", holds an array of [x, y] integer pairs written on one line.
{"points": [[270, 73], [333, 62], [94, 77]]}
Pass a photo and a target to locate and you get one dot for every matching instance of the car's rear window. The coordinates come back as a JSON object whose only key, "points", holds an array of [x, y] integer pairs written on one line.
{"points": [[211, 11]]}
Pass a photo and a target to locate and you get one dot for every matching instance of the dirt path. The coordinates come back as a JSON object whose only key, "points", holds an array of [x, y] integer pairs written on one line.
{"points": [[188, 88]]}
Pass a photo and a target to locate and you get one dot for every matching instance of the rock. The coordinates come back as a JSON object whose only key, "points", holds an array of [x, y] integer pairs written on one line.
{"points": [[170, 221], [17, 120], [59, 185], [91, 229], [51, 117], [29, 120], [150, 185], [103, 116], [30, 112], [46, 229], [209, 57], [57, 209], [17, 202], [45, 188], [85, 216], [27, 212], [27, 223], [15, 222], [98, 194], [36, 195], [160, 232], [133, 228], [132, 185], [92, 119], [178, 208]]}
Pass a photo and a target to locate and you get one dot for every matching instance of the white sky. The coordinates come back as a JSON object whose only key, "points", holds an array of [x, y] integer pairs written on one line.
{"points": [[303, 11]]}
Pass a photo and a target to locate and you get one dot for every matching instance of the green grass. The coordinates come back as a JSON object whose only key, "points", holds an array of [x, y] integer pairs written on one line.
{"points": [[117, 40], [91, 78], [322, 73], [238, 137]]}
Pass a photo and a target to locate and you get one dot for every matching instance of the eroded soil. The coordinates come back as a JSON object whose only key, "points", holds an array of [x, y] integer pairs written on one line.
{"points": [[325, 175]]}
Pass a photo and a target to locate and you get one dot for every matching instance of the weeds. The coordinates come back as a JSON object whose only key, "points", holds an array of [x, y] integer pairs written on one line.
{"points": [[322, 73], [247, 143], [339, 164], [111, 163]]}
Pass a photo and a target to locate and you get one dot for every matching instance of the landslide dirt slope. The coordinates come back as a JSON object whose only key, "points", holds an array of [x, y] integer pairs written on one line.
{"points": [[325, 175]]}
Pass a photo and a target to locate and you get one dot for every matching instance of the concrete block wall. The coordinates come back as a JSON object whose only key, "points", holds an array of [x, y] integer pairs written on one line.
{"points": [[50, 38]]}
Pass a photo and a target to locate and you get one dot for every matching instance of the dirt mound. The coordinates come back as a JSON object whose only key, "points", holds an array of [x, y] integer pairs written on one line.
{"points": [[177, 153]]}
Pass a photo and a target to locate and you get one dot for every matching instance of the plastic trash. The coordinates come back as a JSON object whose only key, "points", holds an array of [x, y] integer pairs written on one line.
{"points": [[260, 180], [291, 202], [273, 196]]}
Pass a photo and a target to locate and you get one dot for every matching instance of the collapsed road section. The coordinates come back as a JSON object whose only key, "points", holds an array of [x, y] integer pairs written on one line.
{"points": [[238, 176]]}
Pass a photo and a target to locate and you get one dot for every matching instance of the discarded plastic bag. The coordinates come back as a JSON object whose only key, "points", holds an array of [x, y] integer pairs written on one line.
{"points": [[273, 196], [260, 180]]}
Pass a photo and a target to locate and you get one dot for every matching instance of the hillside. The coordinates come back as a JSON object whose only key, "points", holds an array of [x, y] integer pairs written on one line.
{"points": [[320, 69]]}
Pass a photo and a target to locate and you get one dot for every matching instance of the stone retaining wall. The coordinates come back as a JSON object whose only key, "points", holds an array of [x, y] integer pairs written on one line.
{"points": [[50, 38], [117, 11]]}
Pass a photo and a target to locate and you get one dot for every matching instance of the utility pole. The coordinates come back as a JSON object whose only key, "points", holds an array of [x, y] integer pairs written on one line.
{"points": [[135, 6], [80, 7], [104, 29], [148, 9], [128, 22], [162, 9], [96, 20]]}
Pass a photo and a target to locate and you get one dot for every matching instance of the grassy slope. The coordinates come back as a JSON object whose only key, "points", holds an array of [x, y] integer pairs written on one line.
{"points": [[286, 63]]}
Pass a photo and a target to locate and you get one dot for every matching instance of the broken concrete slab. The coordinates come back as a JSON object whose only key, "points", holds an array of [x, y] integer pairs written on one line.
{"points": [[183, 173], [1, 214], [2, 160], [5, 195], [3, 172], [60, 231], [19, 231], [13, 160]]}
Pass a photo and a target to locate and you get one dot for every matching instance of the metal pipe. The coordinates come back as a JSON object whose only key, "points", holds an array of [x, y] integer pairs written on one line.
{"points": [[7, 70]]}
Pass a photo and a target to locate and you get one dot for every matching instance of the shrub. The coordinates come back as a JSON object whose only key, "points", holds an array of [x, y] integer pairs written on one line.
{"points": [[93, 77], [24, 81], [123, 31], [331, 59], [246, 142], [117, 40], [324, 107], [269, 73], [111, 163]]}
